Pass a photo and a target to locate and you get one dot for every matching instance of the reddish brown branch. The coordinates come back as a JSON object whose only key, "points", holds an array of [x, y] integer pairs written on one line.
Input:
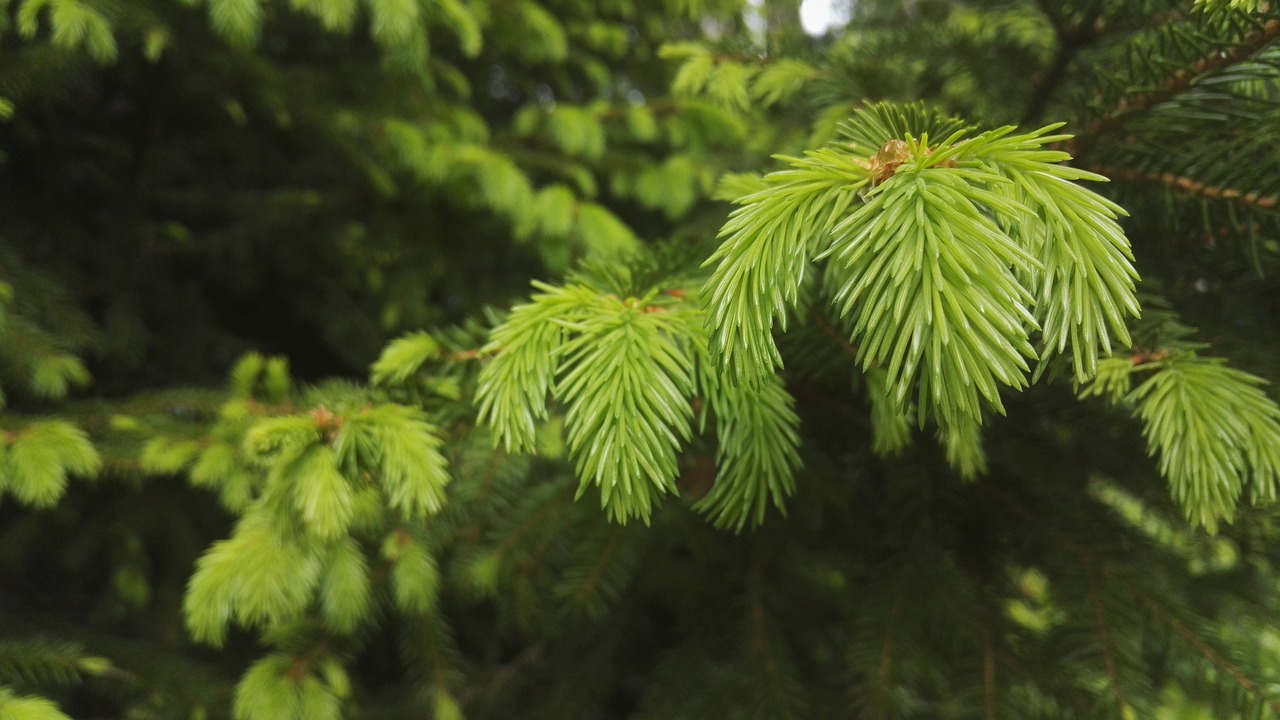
{"points": [[1219, 662], [1128, 107], [1189, 186]]}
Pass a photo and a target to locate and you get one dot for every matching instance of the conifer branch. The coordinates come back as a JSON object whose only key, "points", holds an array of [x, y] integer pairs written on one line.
{"points": [[1194, 640], [956, 253], [762, 263], [1215, 432], [515, 538], [36, 663], [1132, 106], [957, 265], [28, 707], [589, 587], [1205, 650], [837, 338], [775, 694], [505, 672], [628, 370]]}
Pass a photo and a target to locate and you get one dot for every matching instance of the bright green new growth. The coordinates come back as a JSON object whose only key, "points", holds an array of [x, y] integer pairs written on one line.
{"points": [[757, 456], [1214, 429], [276, 687], [19, 707], [628, 371], [36, 461], [1211, 425], [945, 260], [332, 488]]}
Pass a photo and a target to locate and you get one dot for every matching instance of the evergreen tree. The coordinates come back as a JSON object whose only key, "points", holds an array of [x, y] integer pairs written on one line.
{"points": [[859, 375]]}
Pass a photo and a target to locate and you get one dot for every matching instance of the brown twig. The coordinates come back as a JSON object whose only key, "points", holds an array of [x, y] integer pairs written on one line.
{"points": [[1251, 200], [1104, 636]]}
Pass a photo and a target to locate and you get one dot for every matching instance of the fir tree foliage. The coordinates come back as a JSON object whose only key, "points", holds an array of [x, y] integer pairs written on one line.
{"points": [[627, 368], [329, 497], [945, 260], [1213, 429], [43, 334], [315, 480], [21, 707], [42, 664], [417, 545], [36, 461]]}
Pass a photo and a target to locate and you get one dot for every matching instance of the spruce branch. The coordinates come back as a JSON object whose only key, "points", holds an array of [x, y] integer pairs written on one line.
{"points": [[961, 439], [880, 648], [1127, 108], [600, 570], [518, 540], [627, 370], [415, 573], [756, 455], [47, 663], [307, 485], [346, 597], [1214, 431], [628, 384], [36, 461], [928, 303], [1113, 578], [774, 688], [398, 446], [763, 261], [890, 428], [430, 649], [1198, 644], [253, 578], [514, 385], [282, 686], [944, 258]]}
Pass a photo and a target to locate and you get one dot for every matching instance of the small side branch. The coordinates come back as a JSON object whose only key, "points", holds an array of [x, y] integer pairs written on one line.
{"points": [[593, 578], [1104, 635], [1217, 660], [830, 331], [988, 673], [891, 628]]}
